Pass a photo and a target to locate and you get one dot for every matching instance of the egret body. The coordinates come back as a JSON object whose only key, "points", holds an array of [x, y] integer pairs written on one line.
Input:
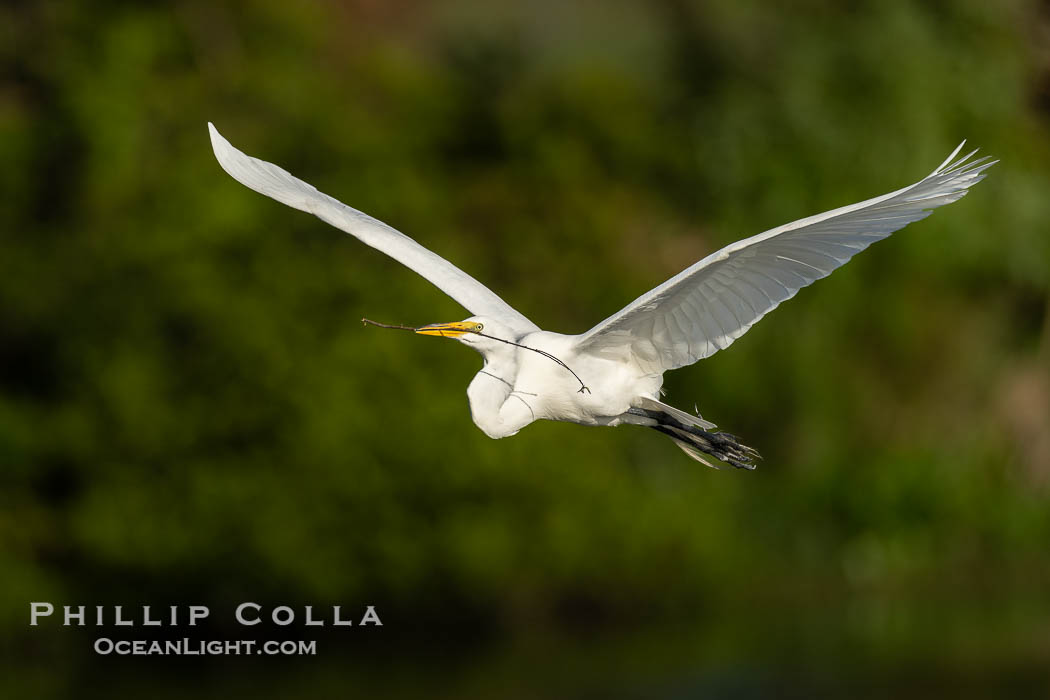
{"points": [[613, 373]]}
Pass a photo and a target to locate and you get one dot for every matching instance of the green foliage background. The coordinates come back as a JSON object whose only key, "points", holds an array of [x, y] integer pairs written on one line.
{"points": [[189, 407]]}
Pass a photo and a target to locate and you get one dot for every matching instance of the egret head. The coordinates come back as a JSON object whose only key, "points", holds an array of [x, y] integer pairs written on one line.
{"points": [[490, 338], [483, 334]]}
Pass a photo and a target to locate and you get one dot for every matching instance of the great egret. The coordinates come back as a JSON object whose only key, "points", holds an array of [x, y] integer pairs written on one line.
{"points": [[613, 373]]}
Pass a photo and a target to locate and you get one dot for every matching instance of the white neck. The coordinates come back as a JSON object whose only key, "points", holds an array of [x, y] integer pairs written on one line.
{"points": [[489, 389]]}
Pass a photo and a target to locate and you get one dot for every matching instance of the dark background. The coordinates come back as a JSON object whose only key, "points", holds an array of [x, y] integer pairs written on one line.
{"points": [[191, 412]]}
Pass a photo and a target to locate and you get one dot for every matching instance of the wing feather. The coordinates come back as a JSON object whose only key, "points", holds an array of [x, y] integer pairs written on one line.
{"points": [[276, 183], [715, 301]]}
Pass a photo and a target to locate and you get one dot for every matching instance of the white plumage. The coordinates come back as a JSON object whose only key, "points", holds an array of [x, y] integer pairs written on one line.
{"points": [[612, 374]]}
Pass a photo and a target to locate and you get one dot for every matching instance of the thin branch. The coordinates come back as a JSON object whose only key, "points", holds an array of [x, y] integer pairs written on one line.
{"points": [[396, 326], [388, 325]]}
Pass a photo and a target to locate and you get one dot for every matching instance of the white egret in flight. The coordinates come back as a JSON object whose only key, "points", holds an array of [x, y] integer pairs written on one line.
{"points": [[613, 373]]}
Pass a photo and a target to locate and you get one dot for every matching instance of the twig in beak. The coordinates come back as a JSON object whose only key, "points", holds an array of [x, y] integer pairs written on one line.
{"points": [[584, 389]]}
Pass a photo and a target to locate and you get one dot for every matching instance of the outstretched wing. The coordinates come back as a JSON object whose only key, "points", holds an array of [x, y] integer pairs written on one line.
{"points": [[272, 181], [706, 307]]}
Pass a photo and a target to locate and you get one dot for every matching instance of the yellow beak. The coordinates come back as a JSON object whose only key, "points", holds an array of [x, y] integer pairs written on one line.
{"points": [[447, 330]]}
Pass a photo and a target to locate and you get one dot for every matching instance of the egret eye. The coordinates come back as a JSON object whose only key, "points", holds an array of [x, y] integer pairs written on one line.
{"points": [[479, 326]]}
